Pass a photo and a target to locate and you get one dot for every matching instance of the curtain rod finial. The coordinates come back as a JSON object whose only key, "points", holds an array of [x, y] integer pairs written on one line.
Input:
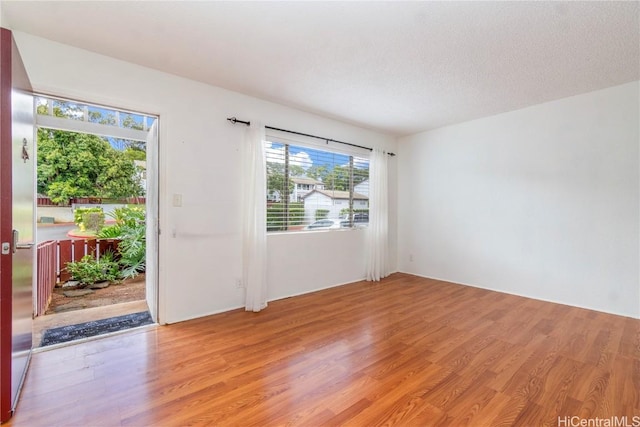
{"points": [[234, 121]]}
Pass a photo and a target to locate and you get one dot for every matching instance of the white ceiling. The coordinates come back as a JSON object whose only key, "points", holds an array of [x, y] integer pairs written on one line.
{"points": [[397, 67]]}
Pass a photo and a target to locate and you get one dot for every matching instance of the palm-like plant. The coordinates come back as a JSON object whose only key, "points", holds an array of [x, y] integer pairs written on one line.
{"points": [[130, 228], [133, 249]]}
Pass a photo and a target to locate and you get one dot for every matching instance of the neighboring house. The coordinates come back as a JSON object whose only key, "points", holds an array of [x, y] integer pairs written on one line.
{"points": [[333, 201], [273, 196], [141, 167], [362, 188], [303, 186]]}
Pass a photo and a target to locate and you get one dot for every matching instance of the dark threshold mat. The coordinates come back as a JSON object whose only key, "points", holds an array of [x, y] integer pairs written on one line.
{"points": [[91, 329]]}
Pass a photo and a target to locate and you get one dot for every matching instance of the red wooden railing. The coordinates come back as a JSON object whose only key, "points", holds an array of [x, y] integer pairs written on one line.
{"points": [[46, 274], [53, 256]]}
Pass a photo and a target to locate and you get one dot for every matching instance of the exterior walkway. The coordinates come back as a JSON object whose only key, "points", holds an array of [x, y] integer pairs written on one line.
{"points": [[42, 323]]}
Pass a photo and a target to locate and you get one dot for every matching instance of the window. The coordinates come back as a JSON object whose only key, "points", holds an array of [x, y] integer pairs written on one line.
{"points": [[55, 113], [313, 189]]}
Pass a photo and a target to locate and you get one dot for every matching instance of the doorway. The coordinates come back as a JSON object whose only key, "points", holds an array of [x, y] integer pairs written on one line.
{"points": [[17, 219], [97, 220]]}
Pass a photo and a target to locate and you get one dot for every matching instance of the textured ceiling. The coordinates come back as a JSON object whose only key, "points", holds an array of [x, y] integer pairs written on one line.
{"points": [[398, 67]]}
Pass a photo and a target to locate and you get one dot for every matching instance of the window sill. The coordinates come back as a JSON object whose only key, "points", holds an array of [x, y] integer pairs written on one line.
{"points": [[336, 230]]}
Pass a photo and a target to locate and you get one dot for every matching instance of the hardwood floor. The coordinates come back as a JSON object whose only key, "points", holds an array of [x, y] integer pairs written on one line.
{"points": [[406, 351]]}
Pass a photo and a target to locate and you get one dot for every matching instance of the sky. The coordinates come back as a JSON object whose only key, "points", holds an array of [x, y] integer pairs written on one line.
{"points": [[307, 157]]}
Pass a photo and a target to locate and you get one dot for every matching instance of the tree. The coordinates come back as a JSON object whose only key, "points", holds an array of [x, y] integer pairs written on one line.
{"points": [[73, 164], [360, 175], [276, 179], [337, 179], [296, 170], [319, 173], [135, 153]]}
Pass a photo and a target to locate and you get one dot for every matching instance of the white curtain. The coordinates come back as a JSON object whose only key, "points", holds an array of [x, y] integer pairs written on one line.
{"points": [[377, 263], [254, 229]]}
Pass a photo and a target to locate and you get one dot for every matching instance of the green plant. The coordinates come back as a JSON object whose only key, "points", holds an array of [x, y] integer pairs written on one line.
{"points": [[110, 232], [322, 214], [130, 228], [93, 221], [275, 215], [89, 218], [128, 215], [132, 250], [88, 270], [108, 256]]}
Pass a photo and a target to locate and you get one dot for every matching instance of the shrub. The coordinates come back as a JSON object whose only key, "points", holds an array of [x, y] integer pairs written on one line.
{"points": [[275, 215], [89, 218], [110, 232], [93, 221], [321, 214], [131, 229], [88, 270], [129, 215]]}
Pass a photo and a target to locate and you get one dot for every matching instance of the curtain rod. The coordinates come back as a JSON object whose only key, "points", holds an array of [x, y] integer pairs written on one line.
{"points": [[234, 121]]}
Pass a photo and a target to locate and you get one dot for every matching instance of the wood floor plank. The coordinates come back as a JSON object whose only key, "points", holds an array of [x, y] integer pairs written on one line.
{"points": [[407, 351]]}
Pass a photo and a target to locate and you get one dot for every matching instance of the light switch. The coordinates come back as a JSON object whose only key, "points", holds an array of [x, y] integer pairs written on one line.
{"points": [[177, 200]]}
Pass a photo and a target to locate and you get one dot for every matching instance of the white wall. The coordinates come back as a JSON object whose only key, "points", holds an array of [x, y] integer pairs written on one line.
{"points": [[303, 257], [200, 254], [541, 202]]}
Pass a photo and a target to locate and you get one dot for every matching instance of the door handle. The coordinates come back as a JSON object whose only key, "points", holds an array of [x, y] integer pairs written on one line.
{"points": [[16, 245]]}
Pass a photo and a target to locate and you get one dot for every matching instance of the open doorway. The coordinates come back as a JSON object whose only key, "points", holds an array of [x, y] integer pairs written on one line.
{"points": [[96, 220]]}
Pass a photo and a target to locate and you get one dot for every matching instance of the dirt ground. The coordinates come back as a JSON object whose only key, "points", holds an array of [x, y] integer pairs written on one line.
{"points": [[128, 290]]}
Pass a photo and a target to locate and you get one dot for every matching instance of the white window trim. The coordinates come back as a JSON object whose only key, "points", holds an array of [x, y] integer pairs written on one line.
{"points": [[60, 123]]}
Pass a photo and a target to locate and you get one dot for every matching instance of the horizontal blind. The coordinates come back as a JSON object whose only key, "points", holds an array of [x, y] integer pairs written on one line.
{"points": [[313, 189]]}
